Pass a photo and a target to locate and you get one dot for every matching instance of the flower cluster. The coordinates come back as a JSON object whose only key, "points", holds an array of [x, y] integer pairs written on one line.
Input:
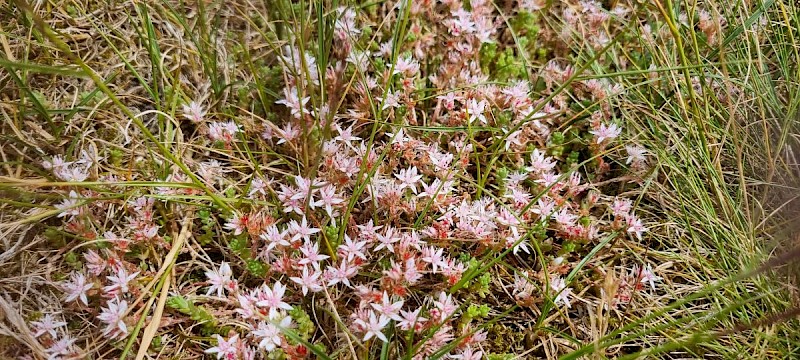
{"points": [[122, 286], [394, 175], [52, 333]]}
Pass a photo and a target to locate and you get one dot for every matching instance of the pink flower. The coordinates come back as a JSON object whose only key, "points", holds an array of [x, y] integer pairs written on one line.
{"points": [[273, 237], [368, 231], [544, 207], [47, 325], [391, 100], [484, 30], [223, 131], [300, 62], [246, 305], [119, 242], [374, 326], [636, 154], [288, 134], [386, 240], [406, 66], [270, 333], [76, 288], [342, 274], [409, 178], [434, 190], [560, 289], [119, 282], [645, 275], [293, 101], [387, 308], [70, 206], [352, 249], [574, 179], [515, 178], [227, 349], [411, 320], [507, 218], [142, 205], [621, 207], [412, 274], [440, 338], [635, 226], [523, 289], [606, 132], [386, 49], [461, 23], [272, 298], [257, 186], [475, 111], [469, 354], [565, 218], [395, 272], [301, 230], [540, 163], [113, 316], [146, 231], [449, 100], [309, 281], [311, 254], [220, 280], [446, 306], [57, 162], [75, 172], [549, 180], [94, 263], [434, 257], [306, 189], [515, 240], [238, 223], [453, 271], [329, 199], [63, 346], [194, 112], [360, 59], [514, 138]]}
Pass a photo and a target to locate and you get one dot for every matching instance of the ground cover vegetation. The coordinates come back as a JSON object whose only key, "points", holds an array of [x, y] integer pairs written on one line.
{"points": [[398, 179]]}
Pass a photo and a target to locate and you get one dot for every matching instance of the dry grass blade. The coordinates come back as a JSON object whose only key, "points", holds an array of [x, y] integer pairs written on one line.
{"points": [[155, 321], [21, 331], [163, 276]]}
